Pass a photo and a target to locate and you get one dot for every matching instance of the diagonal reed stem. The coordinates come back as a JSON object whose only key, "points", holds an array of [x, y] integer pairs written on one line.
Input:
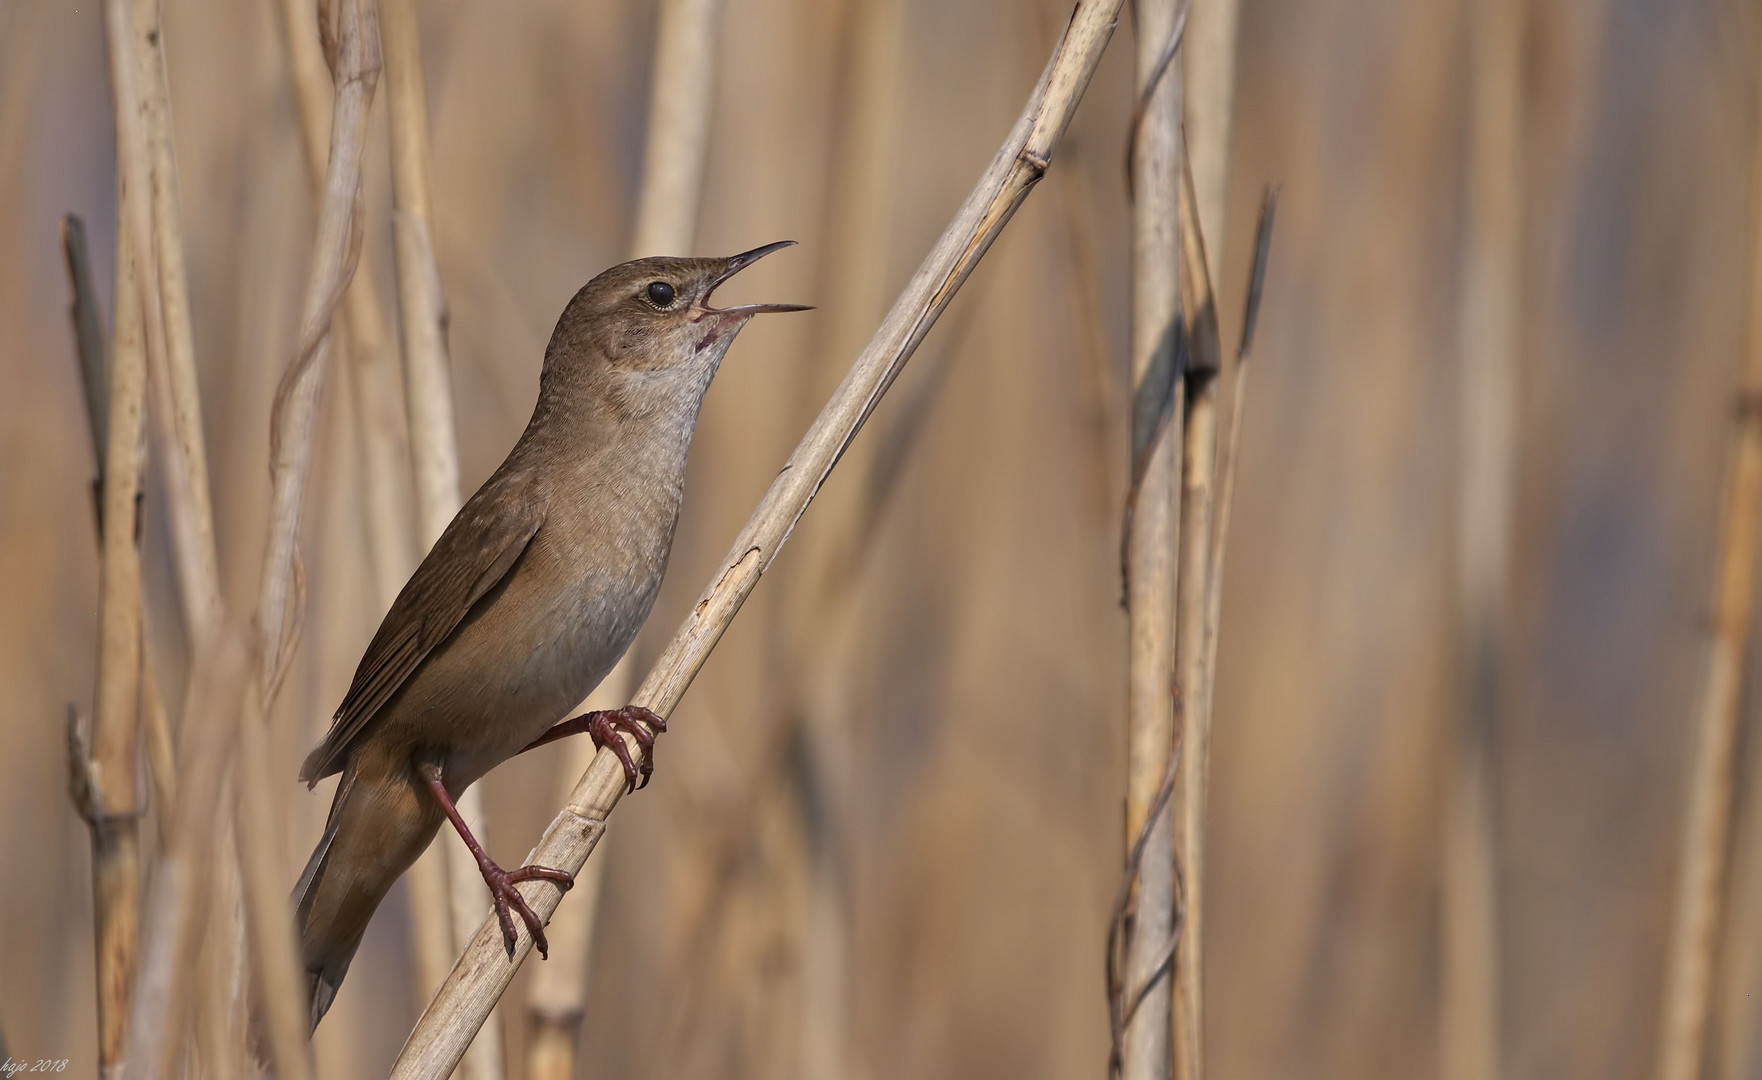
{"points": [[484, 971]]}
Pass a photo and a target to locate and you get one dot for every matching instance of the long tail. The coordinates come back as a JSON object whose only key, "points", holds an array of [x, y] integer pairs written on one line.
{"points": [[380, 821]]}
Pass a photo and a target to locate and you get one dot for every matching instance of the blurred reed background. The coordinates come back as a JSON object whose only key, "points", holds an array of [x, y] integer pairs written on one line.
{"points": [[884, 836]]}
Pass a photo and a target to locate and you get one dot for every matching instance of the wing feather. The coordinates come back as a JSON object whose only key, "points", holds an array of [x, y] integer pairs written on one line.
{"points": [[476, 551]]}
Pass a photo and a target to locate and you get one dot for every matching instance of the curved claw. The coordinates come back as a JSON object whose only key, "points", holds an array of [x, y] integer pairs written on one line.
{"points": [[508, 900], [637, 721]]}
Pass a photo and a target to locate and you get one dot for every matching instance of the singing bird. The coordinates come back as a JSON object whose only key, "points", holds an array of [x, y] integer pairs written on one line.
{"points": [[526, 601]]}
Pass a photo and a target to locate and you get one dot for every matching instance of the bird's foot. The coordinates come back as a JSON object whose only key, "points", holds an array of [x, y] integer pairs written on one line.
{"points": [[603, 727], [508, 900], [501, 882]]}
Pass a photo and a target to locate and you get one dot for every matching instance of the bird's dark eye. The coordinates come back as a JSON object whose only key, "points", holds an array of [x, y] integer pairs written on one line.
{"points": [[660, 294]]}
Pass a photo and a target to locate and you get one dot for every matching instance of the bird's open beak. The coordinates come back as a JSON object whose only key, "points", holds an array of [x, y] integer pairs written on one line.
{"points": [[740, 262]]}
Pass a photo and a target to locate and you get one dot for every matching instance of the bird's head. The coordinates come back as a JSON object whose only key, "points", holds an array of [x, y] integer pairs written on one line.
{"points": [[647, 329]]}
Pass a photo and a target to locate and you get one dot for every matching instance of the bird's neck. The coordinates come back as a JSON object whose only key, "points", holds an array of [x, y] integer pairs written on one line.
{"points": [[628, 431]]}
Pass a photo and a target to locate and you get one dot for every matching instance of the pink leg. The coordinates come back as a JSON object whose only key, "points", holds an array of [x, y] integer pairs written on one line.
{"points": [[501, 883]]}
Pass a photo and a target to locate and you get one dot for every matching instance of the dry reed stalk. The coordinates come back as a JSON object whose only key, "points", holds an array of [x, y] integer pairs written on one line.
{"points": [[280, 995], [1189, 1016], [180, 900], [1229, 453], [350, 29], [682, 101], [385, 465], [1194, 626], [88, 331], [106, 781], [445, 881], [484, 972], [156, 734], [681, 98], [557, 1001], [434, 453], [1488, 343], [1209, 58], [1210, 118], [173, 382], [175, 390], [1141, 1002], [792, 771], [422, 322], [709, 928], [177, 412], [1697, 916], [1735, 1034], [221, 1007], [88, 338], [351, 33], [431, 920], [372, 368]]}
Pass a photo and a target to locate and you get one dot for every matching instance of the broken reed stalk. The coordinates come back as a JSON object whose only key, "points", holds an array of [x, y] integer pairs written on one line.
{"points": [[682, 97], [1488, 343], [88, 338], [88, 333], [177, 408], [1140, 1004], [161, 294], [181, 899], [107, 784], [1698, 906], [1229, 454], [105, 788], [434, 452], [350, 29], [484, 971], [1193, 623], [173, 383]]}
